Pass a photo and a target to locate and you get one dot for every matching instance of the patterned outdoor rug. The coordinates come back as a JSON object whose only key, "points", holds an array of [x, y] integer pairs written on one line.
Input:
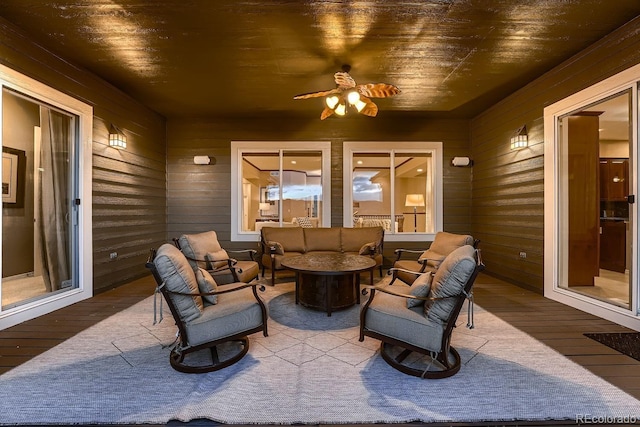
{"points": [[311, 369], [625, 342]]}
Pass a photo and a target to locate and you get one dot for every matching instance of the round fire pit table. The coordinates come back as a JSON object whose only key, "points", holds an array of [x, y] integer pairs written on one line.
{"points": [[328, 282]]}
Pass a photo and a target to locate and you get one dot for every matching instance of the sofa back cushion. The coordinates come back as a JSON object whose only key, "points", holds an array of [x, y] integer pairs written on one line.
{"points": [[353, 238], [322, 239], [178, 276], [291, 238], [443, 244], [449, 280], [197, 246]]}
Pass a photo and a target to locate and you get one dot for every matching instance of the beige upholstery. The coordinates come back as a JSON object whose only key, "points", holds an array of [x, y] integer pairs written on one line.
{"points": [[203, 250], [294, 241], [443, 244], [424, 326], [235, 312]]}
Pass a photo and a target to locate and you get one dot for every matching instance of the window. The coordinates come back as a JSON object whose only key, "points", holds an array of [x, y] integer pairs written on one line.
{"points": [[279, 184], [398, 188]]}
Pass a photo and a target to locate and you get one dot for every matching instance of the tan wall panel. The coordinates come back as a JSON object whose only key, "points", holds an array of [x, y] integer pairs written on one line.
{"points": [[129, 196], [508, 203], [199, 197]]}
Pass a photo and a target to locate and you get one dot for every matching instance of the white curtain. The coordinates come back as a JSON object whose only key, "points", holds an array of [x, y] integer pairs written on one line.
{"points": [[54, 198]]}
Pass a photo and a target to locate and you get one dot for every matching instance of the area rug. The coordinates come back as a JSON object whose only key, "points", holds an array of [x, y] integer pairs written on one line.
{"points": [[311, 369], [625, 342]]}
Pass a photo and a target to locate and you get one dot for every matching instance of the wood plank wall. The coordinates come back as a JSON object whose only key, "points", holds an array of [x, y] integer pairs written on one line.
{"points": [[508, 196], [129, 186], [199, 197]]}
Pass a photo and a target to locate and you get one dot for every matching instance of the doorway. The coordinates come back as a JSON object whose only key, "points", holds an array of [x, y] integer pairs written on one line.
{"points": [[46, 244], [591, 184]]}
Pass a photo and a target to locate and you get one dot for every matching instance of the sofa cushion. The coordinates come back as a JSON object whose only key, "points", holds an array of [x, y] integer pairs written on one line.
{"points": [[353, 238], [216, 259], [448, 281], [443, 244], [322, 239], [419, 288], [178, 276], [222, 320], [196, 246], [278, 249], [206, 284], [367, 248], [291, 238], [388, 315]]}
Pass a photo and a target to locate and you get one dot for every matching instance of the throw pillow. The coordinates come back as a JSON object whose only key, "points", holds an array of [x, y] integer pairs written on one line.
{"points": [[367, 248], [419, 288], [304, 221], [216, 259], [206, 283], [278, 246]]}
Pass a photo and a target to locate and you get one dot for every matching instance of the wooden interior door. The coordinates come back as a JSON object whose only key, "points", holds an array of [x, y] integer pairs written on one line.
{"points": [[584, 199]]}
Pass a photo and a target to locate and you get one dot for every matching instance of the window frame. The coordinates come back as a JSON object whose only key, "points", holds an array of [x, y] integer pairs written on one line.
{"points": [[357, 147], [238, 148], [82, 215]]}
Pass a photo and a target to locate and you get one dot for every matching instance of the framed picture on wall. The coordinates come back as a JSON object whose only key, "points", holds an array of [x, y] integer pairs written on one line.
{"points": [[14, 167]]}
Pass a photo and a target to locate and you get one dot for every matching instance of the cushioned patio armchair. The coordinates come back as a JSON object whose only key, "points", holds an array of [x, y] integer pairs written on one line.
{"points": [[203, 250], [420, 318], [428, 260], [208, 316]]}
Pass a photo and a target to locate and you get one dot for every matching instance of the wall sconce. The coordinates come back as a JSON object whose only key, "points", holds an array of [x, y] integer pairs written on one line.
{"points": [[520, 139], [201, 160], [461, 162], [117, 139], [414, 200]]}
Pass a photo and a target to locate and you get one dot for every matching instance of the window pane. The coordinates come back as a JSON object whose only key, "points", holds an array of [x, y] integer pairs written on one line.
{"points": [[413, 195], [302, 188], [260, 189], [371, 190]]}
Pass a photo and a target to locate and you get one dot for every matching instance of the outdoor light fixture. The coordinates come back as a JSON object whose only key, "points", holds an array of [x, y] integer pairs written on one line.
{"points": [[461, 162], [520, 139], [117, 139], [414, 200]]}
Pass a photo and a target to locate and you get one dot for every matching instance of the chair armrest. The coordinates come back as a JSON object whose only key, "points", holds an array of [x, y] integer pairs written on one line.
{"points": [[385, 290], [400, 251], [404, 270], [251, 252], [240, 286]]}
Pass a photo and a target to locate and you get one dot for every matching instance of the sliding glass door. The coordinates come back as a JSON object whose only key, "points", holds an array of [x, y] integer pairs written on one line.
{"points": [[45, 201], [591, 184]]}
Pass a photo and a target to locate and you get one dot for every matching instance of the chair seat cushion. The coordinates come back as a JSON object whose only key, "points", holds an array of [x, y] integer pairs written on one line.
{"points": [[223, 319], [388, 315], [249, 270]]}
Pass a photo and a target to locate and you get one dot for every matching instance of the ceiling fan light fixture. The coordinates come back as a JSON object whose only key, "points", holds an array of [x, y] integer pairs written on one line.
{"points": [[359, 105], [332, 101], [353, 97], [341, 109]]}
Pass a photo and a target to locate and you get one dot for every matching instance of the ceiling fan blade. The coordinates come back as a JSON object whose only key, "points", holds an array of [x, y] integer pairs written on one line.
{"points": [[371, 109], [378, 90], [344, 80], [326, 113], [316, 94]]}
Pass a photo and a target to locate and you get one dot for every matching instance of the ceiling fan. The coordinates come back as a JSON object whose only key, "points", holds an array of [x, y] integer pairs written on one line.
{"points": [[349, 94]]}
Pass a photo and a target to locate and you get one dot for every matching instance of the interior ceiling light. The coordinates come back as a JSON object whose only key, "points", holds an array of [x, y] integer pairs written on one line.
{"points": [[348, 93]]}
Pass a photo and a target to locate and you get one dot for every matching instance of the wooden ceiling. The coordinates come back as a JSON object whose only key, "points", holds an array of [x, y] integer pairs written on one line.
{"points": [[202, 58]]}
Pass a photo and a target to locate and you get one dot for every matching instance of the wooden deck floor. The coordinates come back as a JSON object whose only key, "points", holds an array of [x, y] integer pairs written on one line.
{"points": [[558, 326]]}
